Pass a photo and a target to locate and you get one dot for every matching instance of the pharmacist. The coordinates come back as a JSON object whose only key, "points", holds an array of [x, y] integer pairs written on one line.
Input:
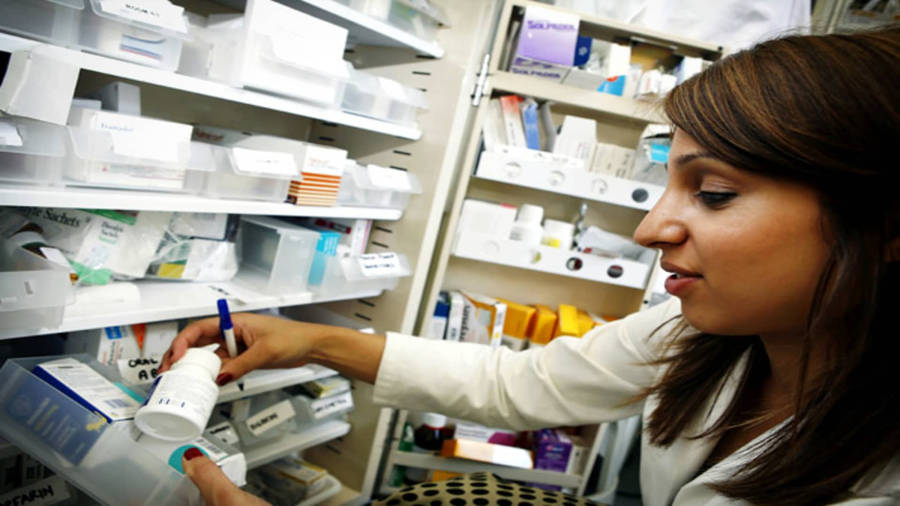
{"points": [[770, 376]]}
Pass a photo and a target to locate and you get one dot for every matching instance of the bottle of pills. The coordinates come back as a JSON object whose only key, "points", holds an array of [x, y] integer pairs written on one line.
{"points": [[182, 398]]}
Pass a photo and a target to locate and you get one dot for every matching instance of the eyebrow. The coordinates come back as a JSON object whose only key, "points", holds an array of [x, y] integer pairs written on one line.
{"points": [[689, 157]]}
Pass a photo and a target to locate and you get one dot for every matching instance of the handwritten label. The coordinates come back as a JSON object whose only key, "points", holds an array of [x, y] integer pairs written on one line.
{"points": [[379, 265], [264, 162], [225, 432], [390, 179], [331, 405], [137, 371], [9, 135], [270, 418], [157, 13]]}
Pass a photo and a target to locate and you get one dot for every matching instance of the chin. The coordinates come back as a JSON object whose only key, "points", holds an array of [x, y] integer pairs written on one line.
{"points": [[712, 321]]}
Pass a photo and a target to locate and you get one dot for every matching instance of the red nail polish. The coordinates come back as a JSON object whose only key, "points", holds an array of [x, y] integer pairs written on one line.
{"points": [[191, 453], [223, 378]]}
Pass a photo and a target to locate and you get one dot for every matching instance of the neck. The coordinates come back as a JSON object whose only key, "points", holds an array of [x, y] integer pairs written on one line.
{"points": [[785, 354]]}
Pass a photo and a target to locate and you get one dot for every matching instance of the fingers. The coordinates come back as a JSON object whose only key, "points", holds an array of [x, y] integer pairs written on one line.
{"points": [[192, 335], [214, 486], [256, 356]]}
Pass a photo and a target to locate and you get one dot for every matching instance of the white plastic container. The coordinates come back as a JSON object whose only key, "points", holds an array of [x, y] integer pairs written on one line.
{"points": [[277, 254], [310, 411], [33, 290], [372, 272], [182, 398], [148, 32], [272, 48], [558, 234], [31, 151], [375, 186], [237, 173], [382, 98], [101, 459], [263, 417]]}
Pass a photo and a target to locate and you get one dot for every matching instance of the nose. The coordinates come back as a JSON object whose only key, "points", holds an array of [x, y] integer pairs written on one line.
{"points": [[662, 226]]}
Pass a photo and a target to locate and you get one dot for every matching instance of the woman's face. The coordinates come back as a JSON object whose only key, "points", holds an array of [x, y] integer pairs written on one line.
{"points": [[745, 250]]}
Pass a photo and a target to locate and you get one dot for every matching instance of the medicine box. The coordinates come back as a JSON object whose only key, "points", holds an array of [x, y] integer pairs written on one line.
{"points": [[278, 253], [376, 186], [34, 291], [382, 98], [100, 458], [321, 174], [148, 32], [31, 151], [487, 452], [272, 48]]}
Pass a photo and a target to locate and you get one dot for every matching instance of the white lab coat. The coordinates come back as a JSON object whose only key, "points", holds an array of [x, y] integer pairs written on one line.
{"points": [[573, 382]]}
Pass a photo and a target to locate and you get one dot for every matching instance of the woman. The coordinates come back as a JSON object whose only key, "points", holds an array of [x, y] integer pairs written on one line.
{"points": [[768, 378]]}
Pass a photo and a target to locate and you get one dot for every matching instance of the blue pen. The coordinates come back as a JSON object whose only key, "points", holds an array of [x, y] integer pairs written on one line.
{"points": [[227, 328]]}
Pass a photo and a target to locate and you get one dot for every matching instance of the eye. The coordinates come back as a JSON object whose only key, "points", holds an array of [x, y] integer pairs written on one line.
{"points": [[715, 199]]}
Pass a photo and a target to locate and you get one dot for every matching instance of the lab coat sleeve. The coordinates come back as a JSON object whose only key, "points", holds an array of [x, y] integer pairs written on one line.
{"points": [[569, 382]]}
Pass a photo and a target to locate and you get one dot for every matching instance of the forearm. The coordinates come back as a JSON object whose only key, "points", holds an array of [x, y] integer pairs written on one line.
{"points": [[350, 352]]}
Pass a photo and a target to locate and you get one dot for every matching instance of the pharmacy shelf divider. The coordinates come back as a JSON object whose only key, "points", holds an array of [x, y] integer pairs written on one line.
{"points": [[102, 198], [294, 442], [365, 29], [171, 80]]}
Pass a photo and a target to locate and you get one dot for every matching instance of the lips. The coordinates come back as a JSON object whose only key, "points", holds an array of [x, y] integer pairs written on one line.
{"points": [[681, 279]]}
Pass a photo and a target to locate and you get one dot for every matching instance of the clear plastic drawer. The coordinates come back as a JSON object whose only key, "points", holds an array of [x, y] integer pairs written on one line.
{"points": [[100, 458], [382, 98], [31, 151], [372, 272], [33, 291], [375, 186], [237, 173], [279, 254]]}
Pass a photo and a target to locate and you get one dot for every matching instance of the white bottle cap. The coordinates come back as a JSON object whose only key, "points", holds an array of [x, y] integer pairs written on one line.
{"points": [[434, 420], [203, 358], [529, 213]]}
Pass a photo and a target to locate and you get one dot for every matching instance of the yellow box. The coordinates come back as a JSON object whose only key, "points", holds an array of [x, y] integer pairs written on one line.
{"points": [[487, 452], [515, 327], [540, 332], [567, 325], [585, 323]]}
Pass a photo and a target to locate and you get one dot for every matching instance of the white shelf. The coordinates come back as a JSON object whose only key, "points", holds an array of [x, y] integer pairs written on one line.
{"points": [[541, 173], [265, 380], [222, 91], [613, 271], [588, 100], [172, 300], [365, 29], [295, 442], [96, 198], [455, 465]]}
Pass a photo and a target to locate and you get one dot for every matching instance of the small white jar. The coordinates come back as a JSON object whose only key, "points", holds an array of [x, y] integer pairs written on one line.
{"points": [[527, 227], [182, 398]]}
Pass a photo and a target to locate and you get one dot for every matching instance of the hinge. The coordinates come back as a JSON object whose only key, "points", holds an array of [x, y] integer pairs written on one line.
{"points": [[481, 80]]}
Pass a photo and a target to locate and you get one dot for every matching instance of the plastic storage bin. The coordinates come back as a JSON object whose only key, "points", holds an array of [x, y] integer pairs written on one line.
{"points": [[266, 416], [237, 173], [279, 254], [382, 98], [311, 411], [145, 32], [372, 272], [33, 290], [376, 186], [96, 158], [31, 151], [271, 48], [99, 458], [412, 17]]}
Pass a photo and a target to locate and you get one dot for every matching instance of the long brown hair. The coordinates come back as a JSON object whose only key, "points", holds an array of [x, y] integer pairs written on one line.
{"points": [[823, 111]]}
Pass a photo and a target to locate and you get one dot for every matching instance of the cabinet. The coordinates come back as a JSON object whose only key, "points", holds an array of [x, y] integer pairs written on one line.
{"points": [[443, 69], [497, 270]]}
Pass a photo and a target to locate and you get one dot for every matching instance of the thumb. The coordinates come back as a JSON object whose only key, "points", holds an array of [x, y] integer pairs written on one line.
{"points": [[254, 357], [214, 486]]}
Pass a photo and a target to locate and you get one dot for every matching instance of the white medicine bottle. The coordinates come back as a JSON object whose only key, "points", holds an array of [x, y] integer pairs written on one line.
{"points": [[182, 398], [527, 227]]}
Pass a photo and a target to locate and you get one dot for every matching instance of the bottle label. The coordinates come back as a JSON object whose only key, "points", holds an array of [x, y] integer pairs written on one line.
{"points": [[195, 398], [270, 418]]}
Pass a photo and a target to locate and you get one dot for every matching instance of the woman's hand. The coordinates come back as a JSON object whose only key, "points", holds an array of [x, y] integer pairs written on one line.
{"points": [[214, 486], [270, 342]]}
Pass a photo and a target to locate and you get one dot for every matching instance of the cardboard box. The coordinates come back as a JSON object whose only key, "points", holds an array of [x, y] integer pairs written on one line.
{"points": [[487, 452]]}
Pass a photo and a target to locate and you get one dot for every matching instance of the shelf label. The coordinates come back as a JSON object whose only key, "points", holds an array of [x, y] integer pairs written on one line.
{"points": [[138, 371], [270, 418], [264, 162], [225, 432], [9, 135], [380, 265], [391, 179], [52, 490], [331, 405], [159, 13]]}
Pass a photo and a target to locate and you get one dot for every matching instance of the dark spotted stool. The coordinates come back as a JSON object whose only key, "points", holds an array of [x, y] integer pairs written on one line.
{"points": [[478, 489]]}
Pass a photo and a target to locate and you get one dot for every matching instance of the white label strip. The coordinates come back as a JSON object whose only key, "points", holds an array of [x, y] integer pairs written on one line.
{"points": [[379, 265], [270, 418], [331, 405], [225, 432], [159, 13], [389, 179], [264, 162], [52, 490], [9, 135]]}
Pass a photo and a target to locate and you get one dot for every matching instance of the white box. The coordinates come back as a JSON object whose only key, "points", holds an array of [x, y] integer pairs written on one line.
{"points": [[487, 218]]}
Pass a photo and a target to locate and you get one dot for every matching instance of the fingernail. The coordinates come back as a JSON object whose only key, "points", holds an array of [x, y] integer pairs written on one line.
{"points": [[223, 378], [191, 453]]}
